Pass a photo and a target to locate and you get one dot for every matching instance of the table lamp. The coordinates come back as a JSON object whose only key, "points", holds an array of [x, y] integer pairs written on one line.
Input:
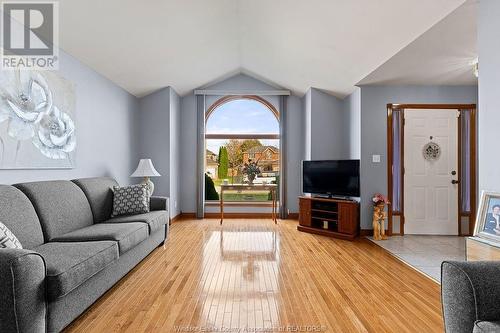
{"points": [[146, 169]]}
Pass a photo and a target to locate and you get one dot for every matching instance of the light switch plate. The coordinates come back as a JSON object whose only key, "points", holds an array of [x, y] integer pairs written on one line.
{"points": [[376, 158]]}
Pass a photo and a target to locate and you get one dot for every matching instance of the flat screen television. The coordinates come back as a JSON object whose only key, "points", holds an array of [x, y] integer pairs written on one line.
{"points": [[333, 178]]}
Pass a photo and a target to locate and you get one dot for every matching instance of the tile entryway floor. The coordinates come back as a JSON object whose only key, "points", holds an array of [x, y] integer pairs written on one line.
{"points": [[425, 252]]}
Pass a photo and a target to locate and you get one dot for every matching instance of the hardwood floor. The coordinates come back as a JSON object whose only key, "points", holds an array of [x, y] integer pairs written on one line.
{"points": [[255, 274]]}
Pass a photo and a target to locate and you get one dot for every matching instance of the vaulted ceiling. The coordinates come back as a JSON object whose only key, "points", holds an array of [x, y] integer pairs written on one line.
{"points": [[442, 55], [329, 44]]}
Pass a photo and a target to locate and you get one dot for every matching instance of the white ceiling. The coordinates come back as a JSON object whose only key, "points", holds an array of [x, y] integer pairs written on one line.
{"points": [[442, 55], [329, 44]]}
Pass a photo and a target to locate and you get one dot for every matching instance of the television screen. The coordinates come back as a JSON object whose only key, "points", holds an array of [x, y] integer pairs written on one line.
{"points": [[335, 178]]}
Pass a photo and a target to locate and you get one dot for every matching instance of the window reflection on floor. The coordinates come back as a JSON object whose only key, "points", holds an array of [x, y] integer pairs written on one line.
{"points": [[248, 266]]}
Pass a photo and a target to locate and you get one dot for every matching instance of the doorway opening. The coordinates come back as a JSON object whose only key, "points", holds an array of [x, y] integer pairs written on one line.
{"points": [[431, 168]]}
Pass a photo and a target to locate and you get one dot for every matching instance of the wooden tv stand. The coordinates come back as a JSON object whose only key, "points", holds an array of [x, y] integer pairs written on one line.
{"points": [[341, 217]]}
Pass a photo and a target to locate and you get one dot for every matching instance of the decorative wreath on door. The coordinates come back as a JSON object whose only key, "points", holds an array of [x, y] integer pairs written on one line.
{"points": [[431, 151]]}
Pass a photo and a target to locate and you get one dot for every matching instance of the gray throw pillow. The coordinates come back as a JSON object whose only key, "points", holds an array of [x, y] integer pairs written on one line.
{"points": [[7, 239], [128, 200]]}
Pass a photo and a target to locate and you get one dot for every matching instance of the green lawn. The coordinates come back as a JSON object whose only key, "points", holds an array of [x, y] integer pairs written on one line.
{"points": [[245, 196]]}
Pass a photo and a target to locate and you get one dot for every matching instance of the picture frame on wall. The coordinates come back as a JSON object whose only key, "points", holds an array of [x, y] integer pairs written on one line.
{"points": [[37, 120], [488, 217]]}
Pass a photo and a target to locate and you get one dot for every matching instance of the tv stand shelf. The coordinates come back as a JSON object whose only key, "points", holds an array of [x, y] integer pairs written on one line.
{"points": [[324, 211], [329, 217]]}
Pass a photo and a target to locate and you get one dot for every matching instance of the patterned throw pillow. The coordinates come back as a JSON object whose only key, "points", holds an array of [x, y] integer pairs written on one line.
{"points": [[133, 199], [7, 239]]}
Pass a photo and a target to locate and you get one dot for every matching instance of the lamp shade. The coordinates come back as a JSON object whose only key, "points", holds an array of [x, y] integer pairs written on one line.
{"points": [[145, 169]]}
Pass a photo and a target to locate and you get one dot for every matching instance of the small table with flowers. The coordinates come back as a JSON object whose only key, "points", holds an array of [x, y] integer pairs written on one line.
{"points": [[254, 187]]}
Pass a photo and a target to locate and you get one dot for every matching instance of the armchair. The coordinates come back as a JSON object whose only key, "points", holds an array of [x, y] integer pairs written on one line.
{"points": [[470, 293]]}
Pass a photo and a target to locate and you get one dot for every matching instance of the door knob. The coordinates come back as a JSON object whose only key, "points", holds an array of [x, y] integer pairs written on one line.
{"points": [[453, 173], [454, 182]]}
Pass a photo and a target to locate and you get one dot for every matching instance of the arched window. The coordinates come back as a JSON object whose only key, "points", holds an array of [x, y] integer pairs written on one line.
{"points": [[239, 130]]}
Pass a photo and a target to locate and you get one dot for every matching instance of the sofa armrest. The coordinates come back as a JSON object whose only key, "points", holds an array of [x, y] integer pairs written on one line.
{"points": [[22, 297], [158, 203], [470, 291]]}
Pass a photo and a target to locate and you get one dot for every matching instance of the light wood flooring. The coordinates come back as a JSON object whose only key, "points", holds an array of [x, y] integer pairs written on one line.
{"points": [[251, 273]]}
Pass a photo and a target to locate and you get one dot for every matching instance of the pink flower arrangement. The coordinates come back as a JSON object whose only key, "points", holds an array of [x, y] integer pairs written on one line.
{"points": [[379, 198]]}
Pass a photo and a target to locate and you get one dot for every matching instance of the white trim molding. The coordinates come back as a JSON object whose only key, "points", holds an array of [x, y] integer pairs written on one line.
{"points": [[242, 92]]}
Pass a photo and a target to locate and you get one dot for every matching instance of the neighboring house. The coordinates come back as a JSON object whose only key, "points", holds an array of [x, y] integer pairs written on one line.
{"points": [[212, 165], [267, 157]]}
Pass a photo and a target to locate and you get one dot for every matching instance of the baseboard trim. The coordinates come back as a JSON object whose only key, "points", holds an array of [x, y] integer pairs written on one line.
{"points": [[239, 215], [192, 216], [183, 216], [238, 204], [369, 232], [176, 218], [366, 232]]}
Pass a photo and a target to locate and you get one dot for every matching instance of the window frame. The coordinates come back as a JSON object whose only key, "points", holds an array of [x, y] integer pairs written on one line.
{"points": [[241, 136]]}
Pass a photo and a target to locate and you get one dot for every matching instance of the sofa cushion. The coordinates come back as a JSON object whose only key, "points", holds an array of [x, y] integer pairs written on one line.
{"points": [[155, 220], [60, 204], [71, 264], [484, 326], [127, 235], [18, 214], [100, 196]]}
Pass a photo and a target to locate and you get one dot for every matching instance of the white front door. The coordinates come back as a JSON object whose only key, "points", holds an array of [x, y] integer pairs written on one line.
{"points": [[430, 197]]}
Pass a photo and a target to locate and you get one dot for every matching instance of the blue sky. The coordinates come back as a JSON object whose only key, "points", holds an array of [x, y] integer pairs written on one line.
{"points": [[242, 116]]}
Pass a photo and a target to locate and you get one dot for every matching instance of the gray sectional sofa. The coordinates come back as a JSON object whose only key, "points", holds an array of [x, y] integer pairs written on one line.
{"points": [[470, 293], [73, 251]]}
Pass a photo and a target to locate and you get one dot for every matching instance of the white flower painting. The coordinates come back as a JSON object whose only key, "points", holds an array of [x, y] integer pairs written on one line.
{"points": [[37, 121]]}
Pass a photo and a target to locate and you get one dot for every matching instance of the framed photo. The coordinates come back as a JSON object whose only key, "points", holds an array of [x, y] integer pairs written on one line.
{"points": [[488, 217]]}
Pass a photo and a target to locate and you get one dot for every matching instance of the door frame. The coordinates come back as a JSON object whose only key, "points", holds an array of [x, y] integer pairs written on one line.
{"points": [[472, 167]]}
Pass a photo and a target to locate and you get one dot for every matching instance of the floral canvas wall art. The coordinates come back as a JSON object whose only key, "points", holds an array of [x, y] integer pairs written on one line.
{"points": [[37, 120]]}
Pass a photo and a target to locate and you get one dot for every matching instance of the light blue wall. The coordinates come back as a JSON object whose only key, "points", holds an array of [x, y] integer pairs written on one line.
{"points": [[158, 139], [326, 126], [154, 138], [306, 106], [188, 154], [241, 82], [175, 153], [352, 108], [188, 139], [105, 128], [329, 135], [489, 97], [295, 153], [374, 100]]}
